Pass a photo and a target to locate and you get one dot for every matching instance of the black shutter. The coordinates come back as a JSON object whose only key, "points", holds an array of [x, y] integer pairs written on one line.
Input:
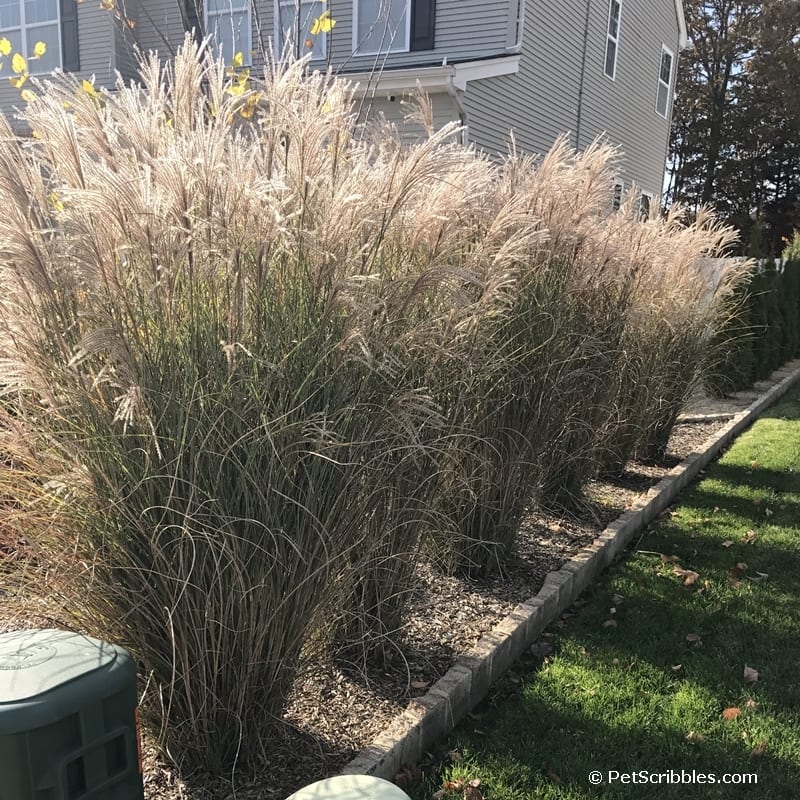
{"points": [[70, 54], [423, 22], [191, 18]]}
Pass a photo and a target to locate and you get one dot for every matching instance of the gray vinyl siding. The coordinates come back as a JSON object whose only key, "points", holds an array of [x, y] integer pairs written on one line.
{"points": [[541, 101], [465, 30], [96, 41], [397, 110], [625, 108], [158, 25]]}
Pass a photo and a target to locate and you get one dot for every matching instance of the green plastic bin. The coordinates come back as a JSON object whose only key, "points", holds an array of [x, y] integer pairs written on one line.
{"points": [[68, 723]]}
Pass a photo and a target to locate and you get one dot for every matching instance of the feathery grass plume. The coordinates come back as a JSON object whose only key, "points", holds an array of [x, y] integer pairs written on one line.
{"points": [[185, 328]]}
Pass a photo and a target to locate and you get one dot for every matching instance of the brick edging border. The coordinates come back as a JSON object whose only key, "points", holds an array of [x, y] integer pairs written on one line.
{"points": [[467, 682]]}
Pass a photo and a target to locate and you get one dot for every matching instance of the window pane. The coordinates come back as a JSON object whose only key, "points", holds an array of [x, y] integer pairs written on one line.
{"points": [[9, 15], [616, 200], [666, 67], [40, 11], [611, 57], [295, 26], [613, 19], [382, 25], [661, 99], [15, 37], [230, 34], [217, 6], [52, 57]]}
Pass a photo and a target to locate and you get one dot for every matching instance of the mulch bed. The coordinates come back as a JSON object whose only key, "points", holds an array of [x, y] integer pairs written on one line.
{"points": [[339, 709]]}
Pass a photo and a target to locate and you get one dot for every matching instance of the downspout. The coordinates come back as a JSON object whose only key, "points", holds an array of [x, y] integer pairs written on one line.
{"points": [[579, 114], [458, 97]]}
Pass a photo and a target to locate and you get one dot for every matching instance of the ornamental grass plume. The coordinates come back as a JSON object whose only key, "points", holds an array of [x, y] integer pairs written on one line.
{"points": [[259, 360]]}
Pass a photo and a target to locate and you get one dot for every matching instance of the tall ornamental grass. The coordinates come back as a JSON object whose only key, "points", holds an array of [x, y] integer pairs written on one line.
{"points": [[256, 360]]}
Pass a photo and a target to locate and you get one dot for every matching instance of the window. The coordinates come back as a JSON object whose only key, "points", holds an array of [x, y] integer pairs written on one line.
{"points": [[228, 24], [612, 37], [26, 22], [644, 206], [664, 82], [393, 26], [616, 195], [295, 18]]}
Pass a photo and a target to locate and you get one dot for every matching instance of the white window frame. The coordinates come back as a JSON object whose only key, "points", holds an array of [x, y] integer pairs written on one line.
{"points": [[405, 49], [617, 197], [665, 49], [614, 39], [247, 54], [24, 28], [279, 42]]}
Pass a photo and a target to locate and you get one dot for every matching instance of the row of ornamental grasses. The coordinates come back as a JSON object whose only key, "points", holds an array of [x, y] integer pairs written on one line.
{"points": [[258, 359]]}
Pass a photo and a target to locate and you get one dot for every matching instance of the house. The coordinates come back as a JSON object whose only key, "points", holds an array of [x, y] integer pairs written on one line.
{"points": [[539, 67]]}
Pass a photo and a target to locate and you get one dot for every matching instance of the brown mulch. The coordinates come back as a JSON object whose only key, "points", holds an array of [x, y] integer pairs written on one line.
{"points": [[339, 709]]}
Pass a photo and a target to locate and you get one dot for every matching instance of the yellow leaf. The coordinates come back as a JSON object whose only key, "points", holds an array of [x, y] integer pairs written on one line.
{"points": [[28, 96], [39, 49], [107, 5], [236, 91], [36, 134], [89, 88], [168, 123], [17, 82], [323, 23], [55, 202], [238, 60], [131, 23], [248, 109], [18, 64], [5, 47]]}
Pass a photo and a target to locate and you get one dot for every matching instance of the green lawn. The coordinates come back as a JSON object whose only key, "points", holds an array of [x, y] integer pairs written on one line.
{"points": [[640, 676]]}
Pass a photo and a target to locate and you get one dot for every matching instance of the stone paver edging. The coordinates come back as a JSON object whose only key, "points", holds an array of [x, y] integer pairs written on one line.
{"points": [[436, 713]]}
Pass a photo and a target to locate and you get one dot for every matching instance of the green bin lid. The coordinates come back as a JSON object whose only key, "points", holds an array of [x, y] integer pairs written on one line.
{"points": [[34, 662]]}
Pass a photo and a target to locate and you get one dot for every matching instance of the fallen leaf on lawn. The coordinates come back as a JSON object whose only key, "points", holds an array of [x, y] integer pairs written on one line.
{"points": [[728, 543], [750, 537], [455, 755], [731, 713], [750, 675], [754, 465], [420, 684], [689, 575], [705, 587], [767, 512], [750, 703], [759, 751], [610, 623], [694, 736], [472, 793], [665, 559], [739, 570], [552, 775], [716, 510], [453, 786], [612, 610], [694, 638], [677, 667]]}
